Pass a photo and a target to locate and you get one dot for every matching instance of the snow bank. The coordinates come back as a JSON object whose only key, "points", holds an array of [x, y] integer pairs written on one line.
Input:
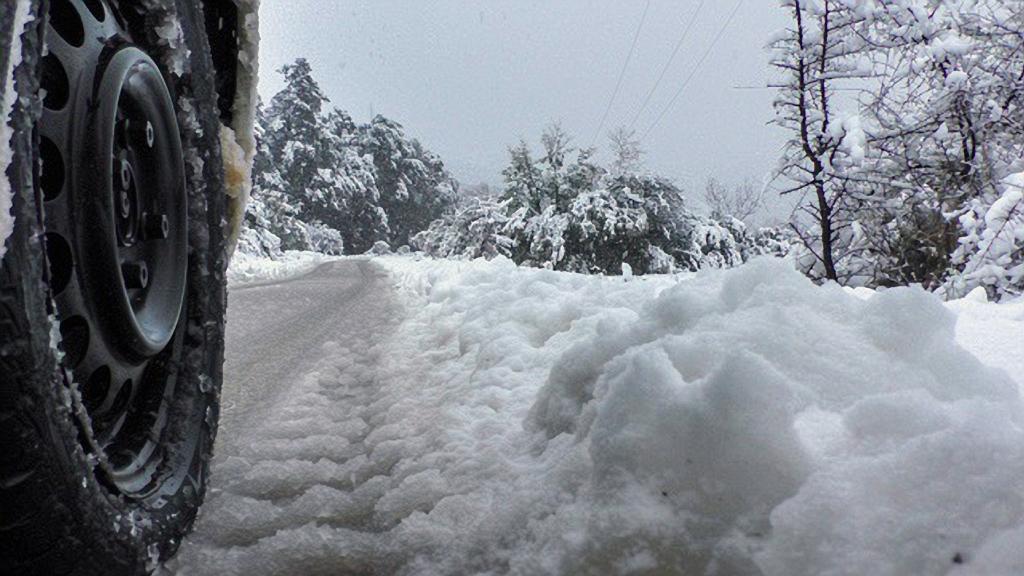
{"points": [[736, 422], [248, 270], [741, 421], [21, 18], [992, 332]]}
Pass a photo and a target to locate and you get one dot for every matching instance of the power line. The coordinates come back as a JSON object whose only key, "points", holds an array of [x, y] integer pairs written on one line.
{"points": [[693, 72], [661, 77], [622, 74]]}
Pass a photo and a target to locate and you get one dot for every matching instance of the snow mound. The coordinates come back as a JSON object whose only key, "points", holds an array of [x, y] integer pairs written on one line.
{"points": [[250, 270], [534, 422], [992, 332]]}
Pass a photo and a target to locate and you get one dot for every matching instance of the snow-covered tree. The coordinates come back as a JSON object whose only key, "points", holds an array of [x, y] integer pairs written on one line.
{"points": [[359, 214], [936, 135], [273, 219], [816, 52], [322, 182], [563, 211], [414, 186], [946, 129], [522, 180], [992, 246], [298, 165]]}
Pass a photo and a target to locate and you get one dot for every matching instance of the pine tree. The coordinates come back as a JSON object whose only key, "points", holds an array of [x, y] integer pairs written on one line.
{"points": [[295, 129], [299, 170], [522, 181], [360, 216], [273, 214], [413, 184]]}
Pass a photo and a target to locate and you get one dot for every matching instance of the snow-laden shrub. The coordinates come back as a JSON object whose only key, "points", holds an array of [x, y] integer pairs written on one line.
{"points": [[992, 246], [766, 241], [707, 243], [379, 248], [258, 242], [636, 220], [476, 228], [618, 223], [324, 239]]}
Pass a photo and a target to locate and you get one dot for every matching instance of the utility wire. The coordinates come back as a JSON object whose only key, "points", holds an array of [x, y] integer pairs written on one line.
{"points": [[661, 77], [696, 68], [622, 75]]}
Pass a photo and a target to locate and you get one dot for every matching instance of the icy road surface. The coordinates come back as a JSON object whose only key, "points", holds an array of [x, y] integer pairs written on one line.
{"points": [[395, 416]]}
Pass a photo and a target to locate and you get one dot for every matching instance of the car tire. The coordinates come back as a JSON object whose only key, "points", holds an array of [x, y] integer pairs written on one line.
{"points": [[65, 506]]}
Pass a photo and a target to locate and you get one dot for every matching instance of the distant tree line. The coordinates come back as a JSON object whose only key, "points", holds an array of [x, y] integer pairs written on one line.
{"points": [[323, 183], [564, 211]]}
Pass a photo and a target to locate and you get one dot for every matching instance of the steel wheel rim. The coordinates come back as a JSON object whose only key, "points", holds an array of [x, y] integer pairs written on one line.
{"points": [[115, 216]]}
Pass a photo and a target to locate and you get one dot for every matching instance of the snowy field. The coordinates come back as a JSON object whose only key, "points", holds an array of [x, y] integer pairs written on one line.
{"points": [[520, 421]]}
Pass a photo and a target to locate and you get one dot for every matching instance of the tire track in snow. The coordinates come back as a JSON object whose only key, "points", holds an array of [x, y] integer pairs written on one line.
{"points": [[301, 381]]}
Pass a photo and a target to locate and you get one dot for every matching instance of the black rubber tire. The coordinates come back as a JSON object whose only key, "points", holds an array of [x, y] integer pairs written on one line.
{"points": [[57, 515]]}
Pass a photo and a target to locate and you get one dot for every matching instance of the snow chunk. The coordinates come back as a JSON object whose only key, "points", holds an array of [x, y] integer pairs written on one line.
{"points": [[22, 18]]}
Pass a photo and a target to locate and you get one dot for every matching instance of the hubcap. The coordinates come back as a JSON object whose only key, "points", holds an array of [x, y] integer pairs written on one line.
{"points": [[113, 183]]}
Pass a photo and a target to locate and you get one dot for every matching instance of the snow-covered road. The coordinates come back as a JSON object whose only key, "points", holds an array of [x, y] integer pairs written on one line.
{"points": [[290, 440], [403, 416], [275, 329]]}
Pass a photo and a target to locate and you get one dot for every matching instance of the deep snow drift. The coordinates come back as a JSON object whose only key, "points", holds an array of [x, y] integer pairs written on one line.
{"points": [[738, 422]]}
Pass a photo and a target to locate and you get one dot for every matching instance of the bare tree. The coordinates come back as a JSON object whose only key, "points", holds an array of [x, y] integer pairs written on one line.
{"points": [[627, 155], [812, 56], [557, 144], [740, 202]]}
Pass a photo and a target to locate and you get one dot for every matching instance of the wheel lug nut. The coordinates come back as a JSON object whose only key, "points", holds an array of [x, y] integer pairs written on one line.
{"points": [[126, 174], [155, 227], [126, 204], [150, 134], [136, 275]]}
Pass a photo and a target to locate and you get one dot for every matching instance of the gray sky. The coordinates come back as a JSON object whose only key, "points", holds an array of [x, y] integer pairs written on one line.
{"points": [[469, 78]]}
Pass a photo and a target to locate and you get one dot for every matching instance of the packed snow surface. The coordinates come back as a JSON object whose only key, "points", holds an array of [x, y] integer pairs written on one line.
{"points": [[487, 419]]}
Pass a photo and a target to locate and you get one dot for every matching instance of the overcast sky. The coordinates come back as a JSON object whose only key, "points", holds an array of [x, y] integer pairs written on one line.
{"points": [[469, 78]]}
